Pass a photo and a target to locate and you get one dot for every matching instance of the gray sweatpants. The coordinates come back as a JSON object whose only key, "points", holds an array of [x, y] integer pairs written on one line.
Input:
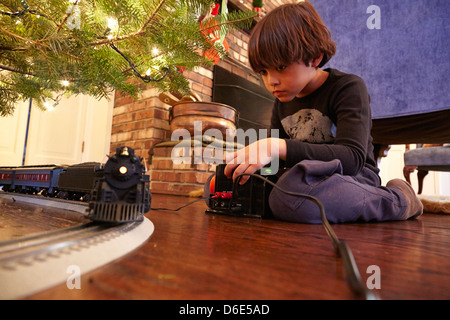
{"points": [[345, 198]]}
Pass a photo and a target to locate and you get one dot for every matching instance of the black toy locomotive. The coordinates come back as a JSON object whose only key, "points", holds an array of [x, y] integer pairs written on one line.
{"points": [[117, 191], [122, 194]]}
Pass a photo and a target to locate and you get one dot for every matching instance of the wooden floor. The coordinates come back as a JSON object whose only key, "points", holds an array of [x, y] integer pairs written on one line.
{"points": [[193, 255]]}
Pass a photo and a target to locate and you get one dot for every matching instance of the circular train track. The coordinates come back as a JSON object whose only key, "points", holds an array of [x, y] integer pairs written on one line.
{"points": [[26, 250], [35, 262]]}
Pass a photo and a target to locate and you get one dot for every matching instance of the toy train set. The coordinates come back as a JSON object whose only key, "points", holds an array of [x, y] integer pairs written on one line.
{"points": [[117, 191]]}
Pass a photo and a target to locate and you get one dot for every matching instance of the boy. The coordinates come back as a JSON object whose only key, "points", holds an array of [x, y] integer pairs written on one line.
{"points": [[324, 122]]}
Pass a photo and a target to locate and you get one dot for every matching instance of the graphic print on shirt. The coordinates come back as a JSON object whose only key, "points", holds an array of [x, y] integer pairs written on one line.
{"points": [[310, 125]]}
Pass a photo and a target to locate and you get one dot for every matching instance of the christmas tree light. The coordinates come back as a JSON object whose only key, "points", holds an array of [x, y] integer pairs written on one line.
{"points": [[50, 48]]}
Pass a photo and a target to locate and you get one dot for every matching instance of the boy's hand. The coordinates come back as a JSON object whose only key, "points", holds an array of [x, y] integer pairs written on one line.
{"points": [[253, 157]]}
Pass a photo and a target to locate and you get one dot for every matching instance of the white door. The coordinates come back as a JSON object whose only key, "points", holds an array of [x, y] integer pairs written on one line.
{"points": [[56, 136], [77, 130], [12, 135]]}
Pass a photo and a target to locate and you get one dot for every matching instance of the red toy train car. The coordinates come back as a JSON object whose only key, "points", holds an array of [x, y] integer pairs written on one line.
{"points": [[117, 191]]}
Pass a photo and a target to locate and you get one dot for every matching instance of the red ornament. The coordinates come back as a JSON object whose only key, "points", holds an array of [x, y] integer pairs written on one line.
{"points": [[215, 10], [258, 10], [181, 69], [211, 33]]}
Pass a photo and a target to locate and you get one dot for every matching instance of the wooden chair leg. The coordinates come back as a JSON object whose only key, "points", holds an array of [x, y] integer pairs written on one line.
{"points": [[407, 172], [421, 174], [380, 151]]}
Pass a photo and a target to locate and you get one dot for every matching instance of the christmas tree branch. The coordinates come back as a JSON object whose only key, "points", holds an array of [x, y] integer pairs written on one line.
{"points": [[139, 32], [39, 12], [7, 68], [17, 36], [38, 43], [5, 48], [151, 17], [21, 13], [54, 46]]}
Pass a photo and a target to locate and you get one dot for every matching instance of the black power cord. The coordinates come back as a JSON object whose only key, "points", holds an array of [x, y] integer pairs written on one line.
{"points": [[183, 206], [341, 247]]}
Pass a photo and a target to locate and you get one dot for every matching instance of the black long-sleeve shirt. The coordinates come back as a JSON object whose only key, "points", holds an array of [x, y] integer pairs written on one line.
{"points": [[333, 122]]}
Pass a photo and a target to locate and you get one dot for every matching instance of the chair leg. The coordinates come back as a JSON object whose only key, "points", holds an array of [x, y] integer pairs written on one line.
{"points": [[407, 172], [421, 174]]}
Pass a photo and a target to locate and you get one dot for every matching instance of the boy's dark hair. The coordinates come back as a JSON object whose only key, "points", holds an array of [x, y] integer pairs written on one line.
{"points": [[288, 34]]}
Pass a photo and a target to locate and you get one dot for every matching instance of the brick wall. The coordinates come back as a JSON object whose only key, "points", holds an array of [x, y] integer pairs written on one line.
{"points": [[177, 178], [144, 123]]}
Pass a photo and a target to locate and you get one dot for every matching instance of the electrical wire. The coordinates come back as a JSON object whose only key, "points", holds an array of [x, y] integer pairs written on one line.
{"points": [[145, 78], [187, 204], [341, 247], [22, 12]]}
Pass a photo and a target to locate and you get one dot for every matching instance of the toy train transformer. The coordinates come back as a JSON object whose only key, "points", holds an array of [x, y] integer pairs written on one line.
{"points": [[117, 191], [248, 200]]}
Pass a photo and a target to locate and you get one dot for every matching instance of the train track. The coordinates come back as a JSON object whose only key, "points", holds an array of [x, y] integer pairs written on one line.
{"points": [[40, 247], [36, 262], [75, 206]]}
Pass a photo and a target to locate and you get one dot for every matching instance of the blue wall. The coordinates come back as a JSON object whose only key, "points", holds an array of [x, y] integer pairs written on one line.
{"points": [[405, 63]]}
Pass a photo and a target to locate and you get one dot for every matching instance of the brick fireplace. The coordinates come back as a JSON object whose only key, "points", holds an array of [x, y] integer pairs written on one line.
{"points": [[143, 124]]}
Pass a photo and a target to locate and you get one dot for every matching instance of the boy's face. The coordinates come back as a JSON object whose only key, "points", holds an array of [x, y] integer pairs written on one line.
{"points": [[288, 82]]}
